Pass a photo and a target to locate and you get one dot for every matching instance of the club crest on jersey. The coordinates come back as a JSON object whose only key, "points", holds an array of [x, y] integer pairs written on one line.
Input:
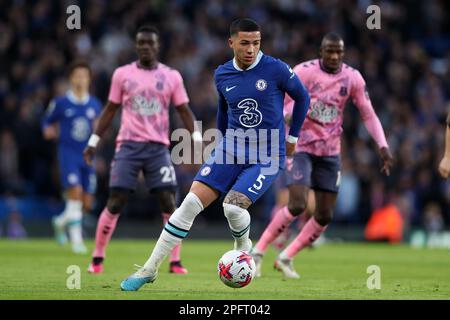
{"points": [[251, 116], [343, 91], [261, 85], [160, 85]]}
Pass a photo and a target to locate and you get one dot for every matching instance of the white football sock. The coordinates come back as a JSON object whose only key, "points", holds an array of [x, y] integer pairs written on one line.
{"points": [[174, 232], [239, 222], [73, 216]]}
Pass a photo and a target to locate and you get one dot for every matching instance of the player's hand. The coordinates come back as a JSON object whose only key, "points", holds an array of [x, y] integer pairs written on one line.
{"points": [[444, 167], [290, 148], [88, 155], [388, 160]]}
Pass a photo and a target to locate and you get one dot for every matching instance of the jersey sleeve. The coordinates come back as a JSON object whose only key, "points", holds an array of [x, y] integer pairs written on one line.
{"points": [[360, 97], [288, 101], [52, 114], [116, 90], [291, 84], [179, 94], [222, 109]]}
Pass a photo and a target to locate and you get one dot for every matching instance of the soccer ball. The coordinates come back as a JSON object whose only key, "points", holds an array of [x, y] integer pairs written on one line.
{"points": [[236, 268]]}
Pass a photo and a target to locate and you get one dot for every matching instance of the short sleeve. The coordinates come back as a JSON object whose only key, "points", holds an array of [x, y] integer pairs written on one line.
{"points": [[179, 94], [116, 90]]}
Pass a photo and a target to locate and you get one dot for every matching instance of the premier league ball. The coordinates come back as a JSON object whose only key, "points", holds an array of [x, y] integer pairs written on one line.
{"points": [[236, 268]]}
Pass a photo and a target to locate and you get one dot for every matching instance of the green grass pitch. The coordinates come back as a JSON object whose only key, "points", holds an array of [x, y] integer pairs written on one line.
{"points": [[36, 269]]}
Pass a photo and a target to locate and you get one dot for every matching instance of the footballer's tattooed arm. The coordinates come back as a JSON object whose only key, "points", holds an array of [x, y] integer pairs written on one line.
{"points": [[238, 199]]}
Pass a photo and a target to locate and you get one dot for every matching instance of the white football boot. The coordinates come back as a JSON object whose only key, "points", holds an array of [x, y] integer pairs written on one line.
{"points": [[287, 267]]}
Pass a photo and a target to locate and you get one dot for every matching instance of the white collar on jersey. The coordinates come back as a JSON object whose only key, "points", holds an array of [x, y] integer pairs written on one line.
{"points": [[254, 64], [73, 98]]}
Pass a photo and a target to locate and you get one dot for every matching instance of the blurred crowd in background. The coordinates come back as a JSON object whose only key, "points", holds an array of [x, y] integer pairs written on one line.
{"points": [[406, 65]]}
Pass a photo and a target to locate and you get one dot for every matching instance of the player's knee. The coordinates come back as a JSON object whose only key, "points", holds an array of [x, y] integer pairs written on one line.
{"points": [[236, 216], [324, 216], [166, 202], [296, 207], [116, 203], [231, 210]]}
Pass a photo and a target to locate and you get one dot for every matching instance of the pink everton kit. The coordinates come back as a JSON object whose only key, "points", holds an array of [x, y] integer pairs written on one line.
{"points": [[316, 162], [145, 96], [322, 129], [143, 139]]}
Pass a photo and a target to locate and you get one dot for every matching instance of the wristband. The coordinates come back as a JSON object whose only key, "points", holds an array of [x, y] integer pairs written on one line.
{"points": [[197, 136], [93, 140], [291, 139]]}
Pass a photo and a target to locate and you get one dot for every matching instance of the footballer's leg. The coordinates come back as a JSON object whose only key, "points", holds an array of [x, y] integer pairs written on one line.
{"points": [[161, 180], [310, 233], [123, 177], [325, 182], [235, 207], [213, 178], [166, 200], [89, 184], [177, 228], [70, 217], [282, 198], [250, 185], [118, 198], [74, 216], [297, 204], [71, 182], [298, 178]]}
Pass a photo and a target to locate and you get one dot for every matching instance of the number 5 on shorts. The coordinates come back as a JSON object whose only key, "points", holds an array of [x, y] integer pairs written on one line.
{"points": [[258, 185]]}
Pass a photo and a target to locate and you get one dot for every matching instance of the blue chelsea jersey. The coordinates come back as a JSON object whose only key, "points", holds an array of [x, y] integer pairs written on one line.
{"points": [[76, 120], [253, 98]]}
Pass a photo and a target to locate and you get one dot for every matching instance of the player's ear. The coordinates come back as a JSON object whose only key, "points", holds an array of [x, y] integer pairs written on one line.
{"points": [[230, 42]]}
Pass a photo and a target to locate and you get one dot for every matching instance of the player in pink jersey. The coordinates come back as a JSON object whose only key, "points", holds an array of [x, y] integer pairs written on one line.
{"points": [[316, 162], [145, 89]]}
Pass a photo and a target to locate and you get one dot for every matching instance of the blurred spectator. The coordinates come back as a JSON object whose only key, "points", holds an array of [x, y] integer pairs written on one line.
{"points": [[9, 159]]}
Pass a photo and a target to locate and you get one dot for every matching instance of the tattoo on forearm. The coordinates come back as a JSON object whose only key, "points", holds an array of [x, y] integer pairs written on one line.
{"points": [[238, 199]]}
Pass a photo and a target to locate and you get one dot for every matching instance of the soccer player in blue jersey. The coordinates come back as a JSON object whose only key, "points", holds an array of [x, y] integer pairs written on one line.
{"points": [[70, 119], [251, 89]]}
